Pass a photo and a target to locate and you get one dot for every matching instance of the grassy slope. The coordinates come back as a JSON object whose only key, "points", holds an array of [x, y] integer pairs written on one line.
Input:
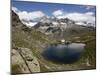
{"points": [[89, 54], [36, 41]]}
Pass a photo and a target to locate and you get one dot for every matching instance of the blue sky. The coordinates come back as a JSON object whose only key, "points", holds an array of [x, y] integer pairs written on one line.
{"points": [[48, 8]]}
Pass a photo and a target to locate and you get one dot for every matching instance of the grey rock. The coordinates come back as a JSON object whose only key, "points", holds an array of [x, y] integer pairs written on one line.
{"points": [[26, 60]]}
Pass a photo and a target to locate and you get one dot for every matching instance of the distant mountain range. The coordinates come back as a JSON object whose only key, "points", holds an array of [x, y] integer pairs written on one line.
{"points": [[60, 27], [57, 26], [55, 20]]}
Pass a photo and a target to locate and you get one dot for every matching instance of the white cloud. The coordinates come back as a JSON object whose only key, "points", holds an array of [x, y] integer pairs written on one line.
{"points": [[79, 17], [89, 13], [57, 12], [26, 17]]}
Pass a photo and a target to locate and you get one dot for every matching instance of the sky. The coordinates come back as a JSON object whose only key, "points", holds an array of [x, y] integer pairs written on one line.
{"points": [[33, 10]]}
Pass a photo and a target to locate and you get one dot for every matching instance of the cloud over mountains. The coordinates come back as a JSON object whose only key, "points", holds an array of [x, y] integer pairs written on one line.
{"points": [[75, 16], [57, 13], [28, 15], [78, 17]]}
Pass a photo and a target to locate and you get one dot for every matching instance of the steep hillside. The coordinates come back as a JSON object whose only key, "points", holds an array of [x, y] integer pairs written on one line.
{"points": [[24, 37]]}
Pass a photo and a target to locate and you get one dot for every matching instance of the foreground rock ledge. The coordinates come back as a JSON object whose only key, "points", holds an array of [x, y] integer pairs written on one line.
{"points": [[23, 61]]}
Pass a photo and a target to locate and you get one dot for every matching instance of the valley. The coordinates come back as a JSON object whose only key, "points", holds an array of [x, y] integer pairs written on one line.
{"points": [[43, 34]]}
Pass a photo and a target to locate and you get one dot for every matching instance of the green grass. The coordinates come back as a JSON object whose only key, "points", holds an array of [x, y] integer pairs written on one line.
{"points": [[89, 53], [37, 41], [33, 40]]}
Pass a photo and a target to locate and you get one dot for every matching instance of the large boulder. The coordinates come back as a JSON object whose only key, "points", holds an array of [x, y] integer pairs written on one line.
{"points": [[23, 61]]}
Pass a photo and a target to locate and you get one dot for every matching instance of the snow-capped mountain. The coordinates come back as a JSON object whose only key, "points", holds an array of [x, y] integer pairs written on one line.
{"points": [[49, 25]]}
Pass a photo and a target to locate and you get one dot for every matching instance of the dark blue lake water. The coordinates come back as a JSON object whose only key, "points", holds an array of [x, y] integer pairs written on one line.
{"points": [[64, 53]]}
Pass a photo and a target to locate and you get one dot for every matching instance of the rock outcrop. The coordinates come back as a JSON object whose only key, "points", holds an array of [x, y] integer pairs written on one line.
{"points": [[23, 61]]}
